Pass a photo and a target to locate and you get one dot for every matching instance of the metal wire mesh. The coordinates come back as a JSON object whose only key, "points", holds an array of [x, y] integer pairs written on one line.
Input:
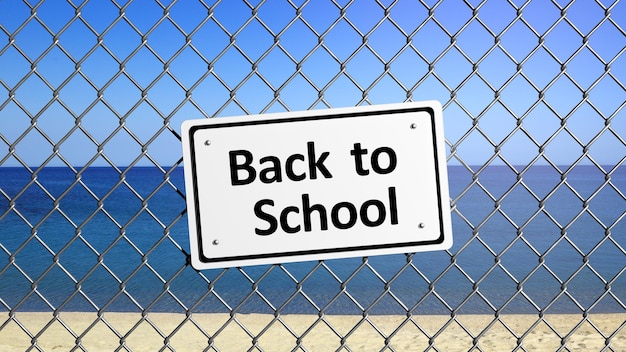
{"points": [[108, 83]]}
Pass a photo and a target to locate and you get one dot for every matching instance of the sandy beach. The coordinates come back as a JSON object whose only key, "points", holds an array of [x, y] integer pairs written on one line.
{"points": [[165, 331]]}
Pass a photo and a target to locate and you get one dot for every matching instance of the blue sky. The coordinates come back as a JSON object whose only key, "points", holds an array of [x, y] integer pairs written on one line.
{"points": [[110, 82]]}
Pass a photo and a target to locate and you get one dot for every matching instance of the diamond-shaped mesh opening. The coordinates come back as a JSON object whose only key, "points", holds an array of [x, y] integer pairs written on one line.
{"points": [[385, 90], [519, 95], [462, 68], [518, 206], [604, 50], [497, 67], [504, 296], [387, 40], [143, 67], [92, 196], [604, 143], [188, 67], [597, 97], [563, 41], [166, 40], [541, 69], [121, 103], [585, 241], [32, 49], [563, 270], [463, 287], [364, 58], [475, 95], [431, 40], [562, 86], [145, 122], [409, 288], [254, 40], [13, 222], [519, 40], [544, 285], [541, 232], [518, 149], [33, 104], [20, 122], [255, 94], [585, 124]]}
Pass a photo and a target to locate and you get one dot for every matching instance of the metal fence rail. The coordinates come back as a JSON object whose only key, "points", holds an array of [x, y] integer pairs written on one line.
{"points": [[107, 84]]}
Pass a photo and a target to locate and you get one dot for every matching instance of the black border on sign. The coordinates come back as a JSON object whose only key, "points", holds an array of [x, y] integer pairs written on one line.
{"points": [[327, 116]]}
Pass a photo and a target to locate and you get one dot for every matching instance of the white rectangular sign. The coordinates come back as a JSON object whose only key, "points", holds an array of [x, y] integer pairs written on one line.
{"points": [[316, 184]]}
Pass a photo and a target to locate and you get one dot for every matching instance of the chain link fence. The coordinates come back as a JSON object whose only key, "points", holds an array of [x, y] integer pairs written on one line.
{"points": [[93, 241]]}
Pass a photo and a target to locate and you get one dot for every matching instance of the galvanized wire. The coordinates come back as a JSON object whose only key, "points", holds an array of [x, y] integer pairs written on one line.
{"points": [[452, 94]]}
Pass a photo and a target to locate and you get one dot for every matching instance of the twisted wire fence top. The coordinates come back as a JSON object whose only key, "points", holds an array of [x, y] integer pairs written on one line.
{"points": [[92, 95]]}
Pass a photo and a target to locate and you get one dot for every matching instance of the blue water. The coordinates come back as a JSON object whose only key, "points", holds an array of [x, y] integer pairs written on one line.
{"points": [[130, 253]]}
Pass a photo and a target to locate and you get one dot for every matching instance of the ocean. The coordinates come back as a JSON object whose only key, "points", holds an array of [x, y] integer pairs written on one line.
{"points": [[543, 246]]}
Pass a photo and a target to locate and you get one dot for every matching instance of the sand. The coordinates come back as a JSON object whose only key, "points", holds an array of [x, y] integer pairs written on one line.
{"points": [[170, 331]]}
